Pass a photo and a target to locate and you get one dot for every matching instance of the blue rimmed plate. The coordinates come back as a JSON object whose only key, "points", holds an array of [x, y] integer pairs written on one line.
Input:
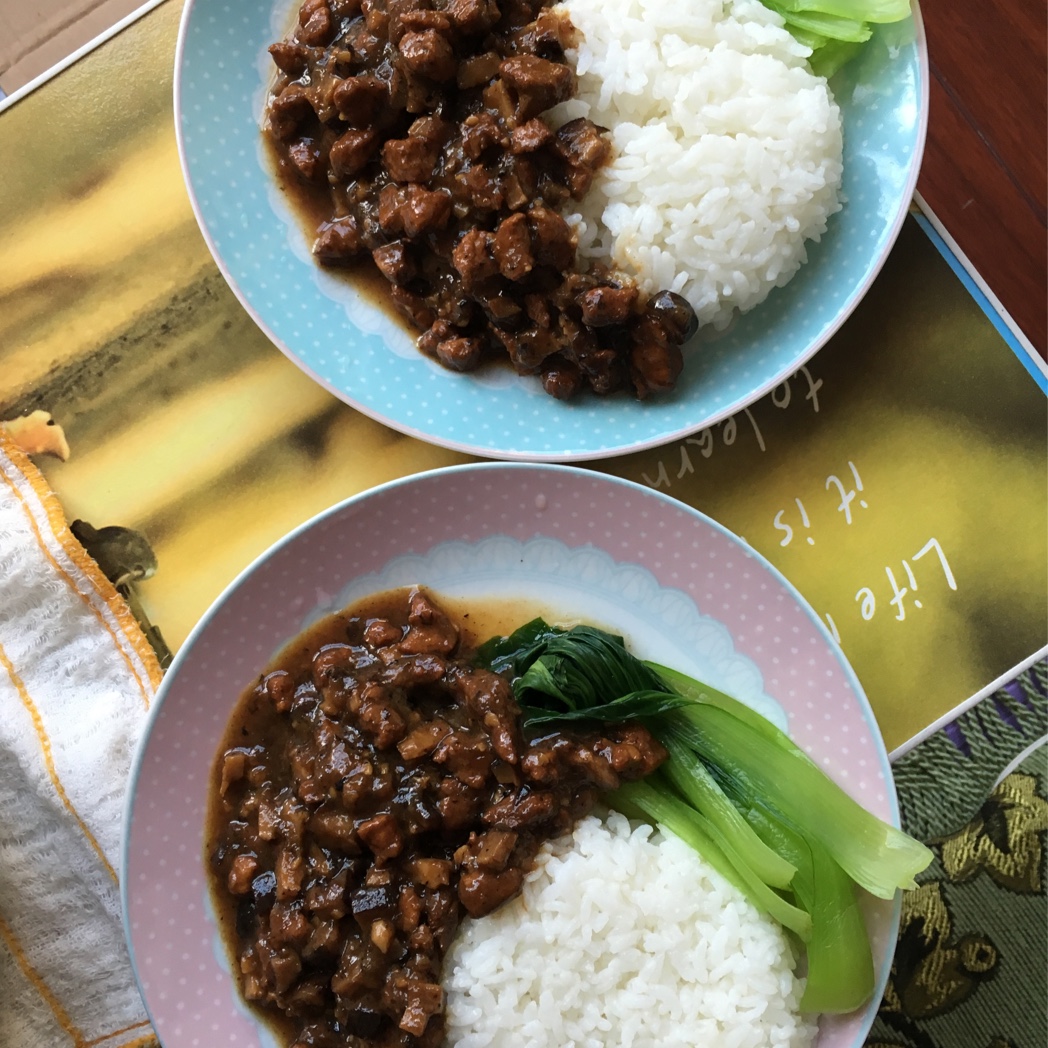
{"points": [[368, 360]]}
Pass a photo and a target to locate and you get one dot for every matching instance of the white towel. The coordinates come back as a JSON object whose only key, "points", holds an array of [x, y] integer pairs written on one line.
{"points": [[76, 680]]}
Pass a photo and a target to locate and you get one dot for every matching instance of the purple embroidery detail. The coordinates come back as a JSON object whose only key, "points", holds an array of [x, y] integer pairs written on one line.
{"points": [[953, 732], [1007, 716], [1016, 691]]}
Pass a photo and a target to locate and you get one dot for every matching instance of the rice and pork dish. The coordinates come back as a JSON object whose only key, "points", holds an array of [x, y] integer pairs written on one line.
{"points": [[726, 148], [575, 188], [403, 857]]}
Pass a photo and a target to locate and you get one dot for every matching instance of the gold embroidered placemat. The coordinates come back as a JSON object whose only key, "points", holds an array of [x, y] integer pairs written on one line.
{"points": [[971, 961]]}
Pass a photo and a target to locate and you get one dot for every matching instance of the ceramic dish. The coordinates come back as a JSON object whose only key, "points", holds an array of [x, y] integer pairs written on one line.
{"points": [[368, 360], [580, 543]]}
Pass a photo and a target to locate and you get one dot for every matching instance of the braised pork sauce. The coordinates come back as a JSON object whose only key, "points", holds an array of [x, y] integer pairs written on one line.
{"points": [[372, 789], [419, 129]]}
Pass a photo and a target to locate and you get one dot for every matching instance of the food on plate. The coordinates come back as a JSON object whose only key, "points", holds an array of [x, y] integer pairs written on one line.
{"points": [[726, 150], [372, 789], [422, 130], [736, 788], [835, 30], [386, 778], [572, 187], [638, 941]]}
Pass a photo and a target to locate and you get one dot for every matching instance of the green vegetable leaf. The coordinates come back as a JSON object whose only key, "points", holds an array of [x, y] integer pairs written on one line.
{"points": [[830, 26], [872, 852], [840, 965], [696, 831], [635, 706], [878, 11], [507, 654], [831, 56]]}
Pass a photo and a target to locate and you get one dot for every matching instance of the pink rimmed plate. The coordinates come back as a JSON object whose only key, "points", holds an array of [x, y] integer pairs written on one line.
{"points": [[681, 589]]}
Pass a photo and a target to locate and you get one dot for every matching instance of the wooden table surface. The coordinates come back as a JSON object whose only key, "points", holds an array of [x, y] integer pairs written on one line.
{"points": [[984, 172]]}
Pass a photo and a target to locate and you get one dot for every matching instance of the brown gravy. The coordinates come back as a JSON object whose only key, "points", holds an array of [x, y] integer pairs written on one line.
{"points": [[371, 789]]}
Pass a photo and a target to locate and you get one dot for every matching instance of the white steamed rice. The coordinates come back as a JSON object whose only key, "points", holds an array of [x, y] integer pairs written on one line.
{"points": [[623, 938], [727, 149]]}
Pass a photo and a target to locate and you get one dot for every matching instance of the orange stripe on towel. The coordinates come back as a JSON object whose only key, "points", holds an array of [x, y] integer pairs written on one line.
{"points": [[129, 630], [149, 1038], [87, 564], [38, 983], [45, 746]]}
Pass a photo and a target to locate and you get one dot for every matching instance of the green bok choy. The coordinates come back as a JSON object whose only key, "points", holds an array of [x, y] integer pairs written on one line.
{"points": [[835, 30], [735, 788]]}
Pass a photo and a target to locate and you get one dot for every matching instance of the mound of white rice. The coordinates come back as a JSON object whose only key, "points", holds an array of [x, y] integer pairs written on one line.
{"points": [[623, 938], [727, 149]]}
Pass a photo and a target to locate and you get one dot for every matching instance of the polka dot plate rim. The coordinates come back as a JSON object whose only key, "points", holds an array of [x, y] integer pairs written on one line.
{"points": [[366, 359], [603, 546]]}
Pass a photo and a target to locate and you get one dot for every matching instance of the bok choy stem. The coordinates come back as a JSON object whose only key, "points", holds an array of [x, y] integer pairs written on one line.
{"points": [[697, 832], [840, 966], [689, 775], [873, 853]]}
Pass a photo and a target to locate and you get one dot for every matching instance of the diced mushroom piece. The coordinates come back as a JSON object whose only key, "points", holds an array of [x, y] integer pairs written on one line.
{"points": [[234, 768], [382, 835], [477, 70], [424, 999], [655, 360], [561, 378], [242, 873], [553, 240], [285, 964], [430, 873], [580, 143], [290, 871], [497, 96], [493, 849], [382, 934], [287, 924], [481, 891], [335, 830], [368, 904]]}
